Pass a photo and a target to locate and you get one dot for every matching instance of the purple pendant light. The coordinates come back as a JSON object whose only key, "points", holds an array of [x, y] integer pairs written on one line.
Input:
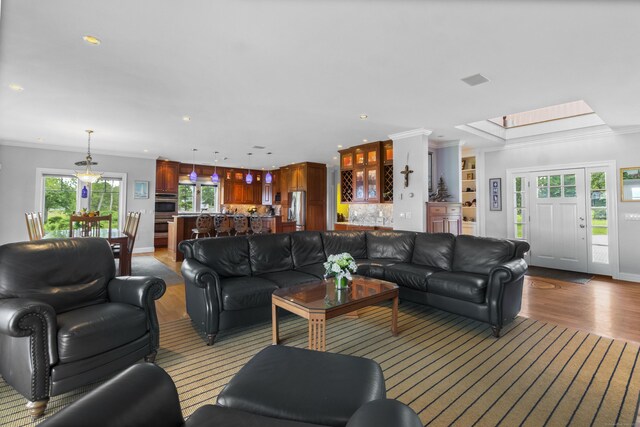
{"points": [[268, 177], [215, 178], [193, 176], [249, 177]]}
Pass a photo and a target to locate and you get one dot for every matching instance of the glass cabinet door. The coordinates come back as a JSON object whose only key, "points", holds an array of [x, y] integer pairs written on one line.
{"points": [[372, 184], [359, 186]]}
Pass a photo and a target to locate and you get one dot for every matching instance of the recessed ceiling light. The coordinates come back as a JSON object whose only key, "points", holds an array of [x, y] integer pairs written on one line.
{"points": [[146, 151], [16, 87], [363, 117], [365, 140], [91, 40], [273, 166], [440, 136], [475, 80], [339, 146], [40, 139], [186, 118], [335, 158]]}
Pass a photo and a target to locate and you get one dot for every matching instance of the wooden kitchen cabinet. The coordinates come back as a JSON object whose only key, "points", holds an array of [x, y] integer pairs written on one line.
{"points": [[167, 176], [362, 172], [297, 178], [269, 189], [444, 217], [237, 191]]}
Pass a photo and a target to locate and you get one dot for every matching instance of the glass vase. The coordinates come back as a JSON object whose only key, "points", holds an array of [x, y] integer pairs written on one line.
{"points": [[341, 283]]}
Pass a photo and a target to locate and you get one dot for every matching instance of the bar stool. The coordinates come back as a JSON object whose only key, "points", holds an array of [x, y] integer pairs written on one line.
{"points": [[256, 224], [221, 225], [241, 224], [203, 226]]}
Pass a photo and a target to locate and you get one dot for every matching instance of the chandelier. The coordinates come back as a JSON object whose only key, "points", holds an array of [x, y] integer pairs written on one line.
{"points": [[87, 175]]}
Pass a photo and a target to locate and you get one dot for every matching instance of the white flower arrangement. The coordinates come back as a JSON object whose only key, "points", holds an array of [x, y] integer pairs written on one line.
{"points": [[340, 265]]}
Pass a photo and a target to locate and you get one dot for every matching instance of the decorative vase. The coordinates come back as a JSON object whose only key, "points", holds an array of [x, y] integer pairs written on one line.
{"points": [[342, 283]]}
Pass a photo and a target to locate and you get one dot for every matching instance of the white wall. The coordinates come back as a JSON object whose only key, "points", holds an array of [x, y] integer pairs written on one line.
{"points": [[624, 149], [409, 204], [18, 187]]}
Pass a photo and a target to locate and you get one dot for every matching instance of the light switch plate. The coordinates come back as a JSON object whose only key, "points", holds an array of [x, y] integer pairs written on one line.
{"points": [[632, 217]]}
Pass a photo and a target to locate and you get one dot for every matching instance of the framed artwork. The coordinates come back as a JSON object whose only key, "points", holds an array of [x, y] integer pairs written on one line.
{"points": [[630, 184], [141, 190], [495, 194]]}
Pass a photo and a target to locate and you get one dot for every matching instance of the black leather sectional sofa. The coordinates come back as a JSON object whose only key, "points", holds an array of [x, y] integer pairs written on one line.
{"points": [[229, 280]]}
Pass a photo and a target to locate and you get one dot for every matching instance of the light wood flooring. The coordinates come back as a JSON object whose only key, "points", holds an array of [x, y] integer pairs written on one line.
{"points": [[603, 306]]}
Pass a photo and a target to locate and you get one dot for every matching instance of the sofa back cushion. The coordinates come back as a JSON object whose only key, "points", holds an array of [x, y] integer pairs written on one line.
{"points": [[227, 256], [270, 253], [306, 248], [434, 250], [390, 245], [352, 242], [480, 254], [64, 273]]}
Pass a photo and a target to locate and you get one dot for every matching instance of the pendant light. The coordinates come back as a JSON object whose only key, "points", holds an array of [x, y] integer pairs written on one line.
{"points": [[87, 175], [215, 178], [193, 176], [268, 177], [249, 177]]}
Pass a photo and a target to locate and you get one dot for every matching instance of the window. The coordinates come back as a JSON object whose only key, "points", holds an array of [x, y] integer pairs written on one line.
{"points": [[186, 197], [555, 186], [520, 216], [63, 195], [599, 223], [60, 201], [208, 198]]}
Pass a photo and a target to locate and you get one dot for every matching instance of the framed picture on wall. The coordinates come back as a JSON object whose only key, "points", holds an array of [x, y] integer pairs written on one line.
{"points": [[141, 190], [495, 194]]}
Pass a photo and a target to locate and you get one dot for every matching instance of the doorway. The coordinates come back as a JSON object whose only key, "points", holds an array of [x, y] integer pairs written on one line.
{"points": [[567, 216]]}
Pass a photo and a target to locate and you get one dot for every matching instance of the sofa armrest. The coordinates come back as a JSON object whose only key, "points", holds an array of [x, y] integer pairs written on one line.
{"points": [[199, 275], [141, 291], [504, 293], [143, 395], [522, 248], [34, 321], [383, 413]]}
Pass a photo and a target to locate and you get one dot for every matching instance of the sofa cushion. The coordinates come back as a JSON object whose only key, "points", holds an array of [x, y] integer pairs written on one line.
{"points": [[434, 250], [238, 293], [285, 279], [395, 245], [227, 256], [409, 275], [341, 384], [98, 328], [480, 254], [306, 248], [214, 415], [463, 286], [352, 242], [317, 270], [373, 267], [270, 252]]}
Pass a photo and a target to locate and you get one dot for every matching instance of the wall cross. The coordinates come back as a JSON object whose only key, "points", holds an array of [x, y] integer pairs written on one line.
{"points": [[406, 173]]}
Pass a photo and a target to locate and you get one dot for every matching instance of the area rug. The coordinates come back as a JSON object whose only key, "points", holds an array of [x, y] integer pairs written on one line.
{"points": [[149, 266], [448, 368], [562, 275]]}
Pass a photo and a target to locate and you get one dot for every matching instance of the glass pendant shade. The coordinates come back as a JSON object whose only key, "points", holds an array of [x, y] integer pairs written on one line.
{"points": [[87, 175], [249, 178], [215, 177], [193, 176], [268, 178]]}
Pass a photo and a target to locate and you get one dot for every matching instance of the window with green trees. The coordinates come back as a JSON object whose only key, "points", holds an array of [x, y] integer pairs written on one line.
{"points": [[60, 198]]}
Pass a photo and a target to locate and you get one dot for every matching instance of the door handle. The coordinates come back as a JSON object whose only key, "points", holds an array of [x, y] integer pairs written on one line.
{"points": [[582, 225]]}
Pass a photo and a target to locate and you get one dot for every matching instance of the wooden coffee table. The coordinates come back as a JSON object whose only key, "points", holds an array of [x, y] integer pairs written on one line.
{"points": [[320, 301]]}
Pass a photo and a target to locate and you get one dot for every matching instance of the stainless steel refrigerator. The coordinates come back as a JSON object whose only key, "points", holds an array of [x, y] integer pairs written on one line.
{"points": [[297, 208]]}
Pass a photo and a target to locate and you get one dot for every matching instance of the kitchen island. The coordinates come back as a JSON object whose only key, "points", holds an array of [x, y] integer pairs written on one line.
{"points": [[181, 227]]}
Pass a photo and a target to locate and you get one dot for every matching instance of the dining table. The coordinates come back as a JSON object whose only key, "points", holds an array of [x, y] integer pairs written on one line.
{"points": [[114, 237]]}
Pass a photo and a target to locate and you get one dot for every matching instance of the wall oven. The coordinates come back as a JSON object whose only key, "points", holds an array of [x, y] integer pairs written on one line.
{"points": [[166, 203]]}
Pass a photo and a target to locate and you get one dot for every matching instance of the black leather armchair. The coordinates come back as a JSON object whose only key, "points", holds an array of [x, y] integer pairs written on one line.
{"points": [[66, 320]]}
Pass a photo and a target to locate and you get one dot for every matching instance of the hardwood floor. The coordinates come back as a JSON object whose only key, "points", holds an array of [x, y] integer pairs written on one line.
{"points": [[603, 306]]}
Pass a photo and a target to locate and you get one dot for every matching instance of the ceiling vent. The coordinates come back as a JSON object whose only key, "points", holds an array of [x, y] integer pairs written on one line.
{"points": [[259, 147], [475, 80]]}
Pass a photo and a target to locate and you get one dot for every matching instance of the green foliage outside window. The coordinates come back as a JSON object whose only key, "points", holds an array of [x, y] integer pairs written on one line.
{"points": [[59, 201], [185, 197]]}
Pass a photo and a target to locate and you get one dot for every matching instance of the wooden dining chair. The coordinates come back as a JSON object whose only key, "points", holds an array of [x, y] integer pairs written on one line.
{"points": [[35, 227], [88, 226], [221, 225], [241, 224], [204, 224], [255, 222], [131, 230]]}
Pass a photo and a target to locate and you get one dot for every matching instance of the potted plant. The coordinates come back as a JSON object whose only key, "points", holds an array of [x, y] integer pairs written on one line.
{"points": [[340, 266]]}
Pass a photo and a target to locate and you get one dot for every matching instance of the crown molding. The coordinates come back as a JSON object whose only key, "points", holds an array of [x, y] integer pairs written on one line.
{"points": [[44, 146], [410, 133], [445, 144]]}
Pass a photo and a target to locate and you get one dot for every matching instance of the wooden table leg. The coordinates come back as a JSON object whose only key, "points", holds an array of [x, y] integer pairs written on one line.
{"points": [[394, 317], [274, 324], [317, 333]]}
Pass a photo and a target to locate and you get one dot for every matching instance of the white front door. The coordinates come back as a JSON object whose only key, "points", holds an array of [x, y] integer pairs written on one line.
{"points": [[558, 219]]}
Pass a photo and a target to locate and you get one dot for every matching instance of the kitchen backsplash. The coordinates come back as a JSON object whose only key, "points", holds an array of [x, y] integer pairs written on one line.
{"points": [[243, 209], [381, 214]]}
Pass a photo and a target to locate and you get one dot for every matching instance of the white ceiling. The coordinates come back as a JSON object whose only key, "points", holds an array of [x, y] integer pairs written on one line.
{"points": [[294, 75]]}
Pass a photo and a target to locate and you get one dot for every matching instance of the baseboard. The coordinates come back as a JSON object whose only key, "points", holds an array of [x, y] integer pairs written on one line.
{"points": [[629, 277], [144, 250]]}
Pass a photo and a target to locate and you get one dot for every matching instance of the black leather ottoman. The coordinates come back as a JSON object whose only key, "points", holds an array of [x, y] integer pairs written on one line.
{"points": [[303, 385]]}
